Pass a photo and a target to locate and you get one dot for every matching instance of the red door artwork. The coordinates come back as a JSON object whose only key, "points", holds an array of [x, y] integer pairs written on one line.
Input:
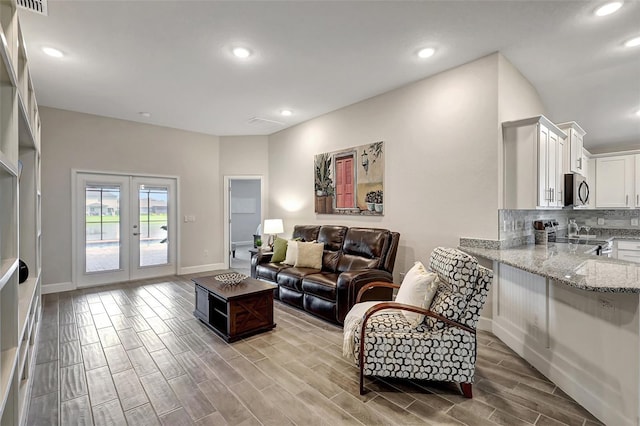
{"points": [[344, 182]]}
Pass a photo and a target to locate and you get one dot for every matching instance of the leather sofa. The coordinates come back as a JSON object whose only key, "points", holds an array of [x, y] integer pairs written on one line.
{"points": [[352, 258]]}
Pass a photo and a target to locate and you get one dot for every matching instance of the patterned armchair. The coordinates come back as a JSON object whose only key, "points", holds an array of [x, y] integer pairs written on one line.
{"points": [[442, 347]]}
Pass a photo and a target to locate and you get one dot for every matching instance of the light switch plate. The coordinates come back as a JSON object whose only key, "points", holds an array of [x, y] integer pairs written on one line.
{"points": [[601, 221], [634, 221]]}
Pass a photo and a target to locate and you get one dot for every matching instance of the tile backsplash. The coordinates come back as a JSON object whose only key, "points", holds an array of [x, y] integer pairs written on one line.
{"points": [[518, 224]]}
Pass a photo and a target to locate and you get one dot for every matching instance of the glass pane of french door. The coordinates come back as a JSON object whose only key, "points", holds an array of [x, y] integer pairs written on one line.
{"points": [[102, 227], [153, 222]]}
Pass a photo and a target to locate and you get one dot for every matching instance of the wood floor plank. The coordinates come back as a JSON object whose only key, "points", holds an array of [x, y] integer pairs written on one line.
{"points": [[258, 405], [177, 326], [70, 353], [142, 416], [45, 379], [129, 338], [72, 382], [100, 384], [129, 389], [44, 411], [194, 367], [141, 361], [150, 340], [93, 356], [225, 402], [84, 319], [178, 417], [194, 343], [108, 337], [47, 351], [175, 345], [68, 332], [121, 322], [108, 414], [216, 419], [88, 335], [158, 325], [76, 412], [162, 397], [167, 364], [191, 398], [102, 320], [117, 359]]}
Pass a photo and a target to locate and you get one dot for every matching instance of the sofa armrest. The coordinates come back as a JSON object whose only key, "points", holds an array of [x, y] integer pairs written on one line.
{"points": [[349, 284], [375, 284], [257, 259]]}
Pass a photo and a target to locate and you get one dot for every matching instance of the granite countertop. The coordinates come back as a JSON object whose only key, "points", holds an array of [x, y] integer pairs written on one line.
{"points": [[573, 266]]}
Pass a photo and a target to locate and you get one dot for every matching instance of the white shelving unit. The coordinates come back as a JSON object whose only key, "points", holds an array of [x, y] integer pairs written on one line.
{"points": [[20, 232]]}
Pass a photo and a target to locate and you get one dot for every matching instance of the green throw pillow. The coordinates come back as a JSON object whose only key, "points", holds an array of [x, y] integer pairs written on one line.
{"points": [[279, 250]]}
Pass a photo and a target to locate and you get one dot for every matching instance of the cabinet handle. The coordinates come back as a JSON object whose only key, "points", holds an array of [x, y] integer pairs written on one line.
{"points": [[626, 202], [637, 200], [580, 163], [553, 195]]}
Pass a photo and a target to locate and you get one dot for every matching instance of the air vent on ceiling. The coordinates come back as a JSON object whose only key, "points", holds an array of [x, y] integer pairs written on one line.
{"points": [[37, 6], [265, 123]]}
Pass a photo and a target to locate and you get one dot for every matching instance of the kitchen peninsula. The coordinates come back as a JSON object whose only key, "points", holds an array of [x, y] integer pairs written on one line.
{"points": [[574, 317]]}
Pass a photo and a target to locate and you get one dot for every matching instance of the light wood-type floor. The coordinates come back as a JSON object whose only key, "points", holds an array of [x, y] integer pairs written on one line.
{"points": [[133, 353]]}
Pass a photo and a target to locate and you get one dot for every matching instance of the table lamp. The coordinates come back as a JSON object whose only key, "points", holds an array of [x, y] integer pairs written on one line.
{"points": [[272, 227]]}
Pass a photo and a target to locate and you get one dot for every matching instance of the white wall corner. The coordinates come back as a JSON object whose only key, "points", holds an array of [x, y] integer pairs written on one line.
{"points": [[201, 268], [57, 287]]}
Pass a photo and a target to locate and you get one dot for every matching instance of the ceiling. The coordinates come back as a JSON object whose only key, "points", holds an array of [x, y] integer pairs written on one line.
{"points": [[173, 58]]}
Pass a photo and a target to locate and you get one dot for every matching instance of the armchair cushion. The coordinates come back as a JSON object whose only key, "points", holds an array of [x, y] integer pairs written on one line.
{"points": [[447, 303], [417, 289]]}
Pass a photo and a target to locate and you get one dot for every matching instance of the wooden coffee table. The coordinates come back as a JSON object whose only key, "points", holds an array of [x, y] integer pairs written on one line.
{"points": [[234, 311]]}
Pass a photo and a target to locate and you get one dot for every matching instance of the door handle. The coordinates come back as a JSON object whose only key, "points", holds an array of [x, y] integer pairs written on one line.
{"points": [[626, 202], [136, 233]]}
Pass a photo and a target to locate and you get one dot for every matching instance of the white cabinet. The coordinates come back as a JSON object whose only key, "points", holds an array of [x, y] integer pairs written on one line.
{"points": [[19, 220], [628, 250], [615, 184], [533, 164], [575, 145]]}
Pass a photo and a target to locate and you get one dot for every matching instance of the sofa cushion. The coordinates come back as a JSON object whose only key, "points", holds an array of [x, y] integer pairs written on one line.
{"points": [[269, 271], [322, 285], [332, 237], [330, 261], [292, 253], [363, 248], [306, 232], [279, 250], [292, 277], [309, 255]]}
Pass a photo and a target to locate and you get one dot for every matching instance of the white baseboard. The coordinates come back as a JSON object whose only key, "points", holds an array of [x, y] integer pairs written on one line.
{"points": [[200, 268], [485, 324], [57, 287], [243, 243]]}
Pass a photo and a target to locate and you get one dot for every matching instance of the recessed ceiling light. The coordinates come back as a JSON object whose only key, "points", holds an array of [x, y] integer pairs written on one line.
{"points": [[286, 112], [609, 8], [55, 53], [427, 52], [241, 52], [145, 114], [638, 113], [633, 42]]}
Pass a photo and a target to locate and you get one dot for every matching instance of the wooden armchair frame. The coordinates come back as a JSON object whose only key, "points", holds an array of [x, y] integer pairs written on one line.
{"points": [[465, 387]]}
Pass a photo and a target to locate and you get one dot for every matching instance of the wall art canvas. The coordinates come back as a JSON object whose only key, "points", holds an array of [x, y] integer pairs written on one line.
{"points": [[350, 181]]}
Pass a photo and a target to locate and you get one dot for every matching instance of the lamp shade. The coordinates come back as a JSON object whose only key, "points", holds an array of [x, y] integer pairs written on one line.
{"points": [[273, 226]]}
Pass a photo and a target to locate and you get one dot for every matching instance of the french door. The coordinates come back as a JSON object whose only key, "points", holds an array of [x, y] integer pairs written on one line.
{"points": [[125, 228]]}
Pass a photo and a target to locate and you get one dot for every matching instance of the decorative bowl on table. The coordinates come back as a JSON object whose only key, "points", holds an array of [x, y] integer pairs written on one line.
{"points": [[230, 278]]}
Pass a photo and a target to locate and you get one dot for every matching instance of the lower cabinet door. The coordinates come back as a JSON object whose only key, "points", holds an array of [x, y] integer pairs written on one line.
{"points": [[202, 303]]}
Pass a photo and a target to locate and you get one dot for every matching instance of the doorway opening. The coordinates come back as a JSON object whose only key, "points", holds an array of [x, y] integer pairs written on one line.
{"points": [[243, 218]]}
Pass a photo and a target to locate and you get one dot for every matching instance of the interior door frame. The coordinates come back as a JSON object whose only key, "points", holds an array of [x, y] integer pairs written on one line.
{"points": [[74, 215], [226, 248]]}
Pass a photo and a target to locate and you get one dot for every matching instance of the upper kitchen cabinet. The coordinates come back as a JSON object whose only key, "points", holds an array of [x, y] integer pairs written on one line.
{"points": [[533, 163], [575, 143], [615, 181]]}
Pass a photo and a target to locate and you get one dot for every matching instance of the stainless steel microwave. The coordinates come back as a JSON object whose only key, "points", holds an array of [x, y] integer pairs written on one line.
{"points": [[576, 190]]}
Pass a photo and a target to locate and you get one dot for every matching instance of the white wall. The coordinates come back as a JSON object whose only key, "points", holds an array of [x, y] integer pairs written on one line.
{"points": [[72, 140], [245, 192], [441, 138]]}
